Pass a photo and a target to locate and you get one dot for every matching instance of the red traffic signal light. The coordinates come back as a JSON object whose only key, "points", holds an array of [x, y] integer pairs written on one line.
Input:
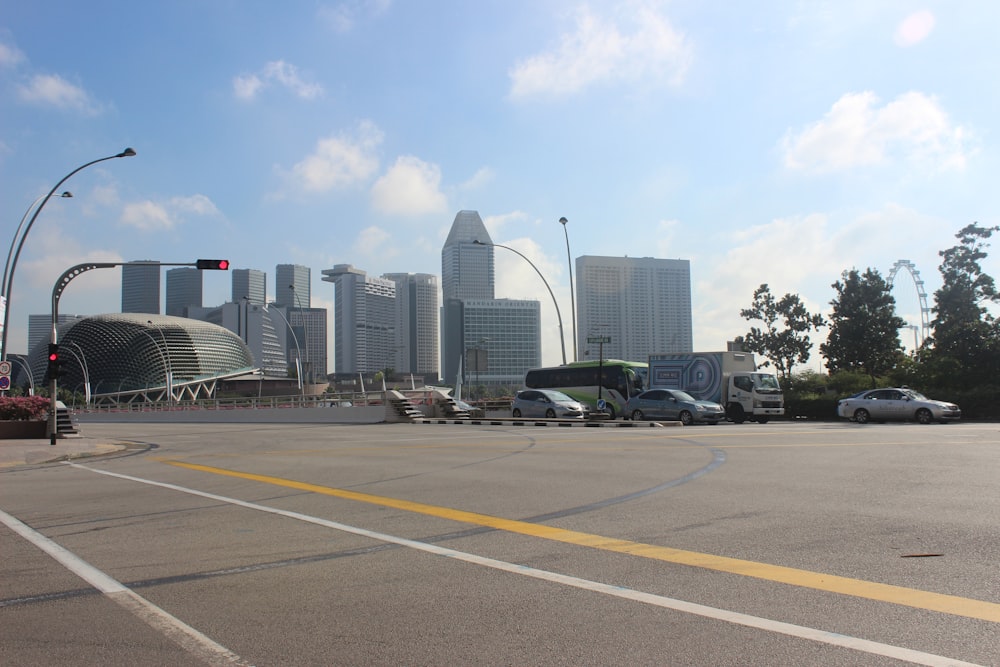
{"points": [[54, 369], [53, 352], [213, 264]]}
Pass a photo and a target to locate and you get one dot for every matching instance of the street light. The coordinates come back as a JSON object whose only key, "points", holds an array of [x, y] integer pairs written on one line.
{"points": [[128, 152], [562, 338], [168, 371], [305, 330], [572, 294], [298, 356]]}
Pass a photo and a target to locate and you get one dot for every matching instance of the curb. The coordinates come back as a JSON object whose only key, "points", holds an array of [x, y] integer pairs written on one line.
{"points": [[548, 422]]}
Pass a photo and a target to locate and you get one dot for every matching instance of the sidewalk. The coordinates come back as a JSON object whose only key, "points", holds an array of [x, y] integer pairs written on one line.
{"points": [[15, 453]]}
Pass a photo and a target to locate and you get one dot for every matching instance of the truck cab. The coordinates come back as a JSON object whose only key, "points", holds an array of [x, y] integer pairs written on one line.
{"points": [[753, 396]]}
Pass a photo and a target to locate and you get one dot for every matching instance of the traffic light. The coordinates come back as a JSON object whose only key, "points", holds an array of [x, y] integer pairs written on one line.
{"points": [[213, 264], [54, 370]]}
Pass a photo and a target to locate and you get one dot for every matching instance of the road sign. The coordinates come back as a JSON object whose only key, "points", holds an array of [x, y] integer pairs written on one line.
{"points": [[4, 382], [598, 339], [5, 368]]}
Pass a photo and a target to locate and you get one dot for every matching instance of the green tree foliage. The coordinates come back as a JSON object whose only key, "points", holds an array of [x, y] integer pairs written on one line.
{"points": [[786, 346], [965, 347], [864, 327]]}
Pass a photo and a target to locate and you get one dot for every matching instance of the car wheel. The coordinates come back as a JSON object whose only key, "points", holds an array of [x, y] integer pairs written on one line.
{"points": [[517, 412], [686, 418], [736, 414], [637, 416], [550, 413], [924, 416], [611, 411], [861, 416]]}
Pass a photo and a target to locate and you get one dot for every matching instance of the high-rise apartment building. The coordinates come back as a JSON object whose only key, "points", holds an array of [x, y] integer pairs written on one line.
{"points": [[292, 286], [364, 321], [504, 336], [643, 304], [416, 323], [141, 287], [184, 290], [250, 284]]}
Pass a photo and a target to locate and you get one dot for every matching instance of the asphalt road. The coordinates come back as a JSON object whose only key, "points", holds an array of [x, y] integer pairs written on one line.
{"points": [[401, 544]]}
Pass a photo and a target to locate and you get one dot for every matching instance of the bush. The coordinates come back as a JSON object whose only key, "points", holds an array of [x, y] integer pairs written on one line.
{"points": [[23, 408]]}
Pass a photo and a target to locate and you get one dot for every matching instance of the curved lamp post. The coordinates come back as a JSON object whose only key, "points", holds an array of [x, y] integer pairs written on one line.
{"points": [[562, 338], [168, 372], [128, 152], [305, 330], [572, 294], [297, 348]]}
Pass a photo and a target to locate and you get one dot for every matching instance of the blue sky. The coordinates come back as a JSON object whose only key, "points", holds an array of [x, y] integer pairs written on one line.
{"points": [[774, 142]]}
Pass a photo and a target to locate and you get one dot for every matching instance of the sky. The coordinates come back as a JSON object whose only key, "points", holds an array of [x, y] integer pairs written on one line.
{"points": [[780, 142]]}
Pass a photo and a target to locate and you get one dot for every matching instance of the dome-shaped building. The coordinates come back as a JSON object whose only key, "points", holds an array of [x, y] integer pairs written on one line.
{"points": [[137, 356]]}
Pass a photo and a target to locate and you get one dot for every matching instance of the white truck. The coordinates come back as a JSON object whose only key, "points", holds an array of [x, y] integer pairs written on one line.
{"points": [[728, 378]]}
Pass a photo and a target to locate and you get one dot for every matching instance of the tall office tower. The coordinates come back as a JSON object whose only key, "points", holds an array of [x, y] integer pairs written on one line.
{"points": [[310, 327], [416, 323], [502, 336], [40, 327], [643, 304], [141, 287], [364, 320], [253, 324], [250, 283], [184, 290], [466, 268], [292, 286]]}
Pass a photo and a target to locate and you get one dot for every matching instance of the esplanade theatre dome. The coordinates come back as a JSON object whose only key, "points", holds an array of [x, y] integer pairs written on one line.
{"points": [[124, 353]]}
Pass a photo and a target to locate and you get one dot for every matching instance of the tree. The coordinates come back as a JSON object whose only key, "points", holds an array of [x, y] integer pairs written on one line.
{"points": [[785, 347], [965, 346], [864, 327]]}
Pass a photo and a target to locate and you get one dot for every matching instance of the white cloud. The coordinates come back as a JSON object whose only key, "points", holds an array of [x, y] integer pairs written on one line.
{"points": [[10, 55], [636, 45], [52, 90], [914, 29], [410, 187], [857, 132], [151, 216], [343, 16], [341, 161], [481, 178], [248, 86], [375, 242]]}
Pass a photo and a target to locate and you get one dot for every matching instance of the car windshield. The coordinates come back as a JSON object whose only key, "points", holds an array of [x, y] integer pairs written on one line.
{"points": [[683, 396], [915, 395], [558, 396], [766, 383]]}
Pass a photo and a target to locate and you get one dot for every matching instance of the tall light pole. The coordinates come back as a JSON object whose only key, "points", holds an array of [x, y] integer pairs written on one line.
{"points": [[305, 330], [562, 337], [5, 285], [572, 294], [298, 349], [168, 371], [128, 152]]}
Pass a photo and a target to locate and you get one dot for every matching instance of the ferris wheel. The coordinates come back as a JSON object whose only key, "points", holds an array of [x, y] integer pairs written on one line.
{"points": [[921, 295]]}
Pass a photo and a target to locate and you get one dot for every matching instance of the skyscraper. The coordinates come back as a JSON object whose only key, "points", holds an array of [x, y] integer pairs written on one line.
{"points": [[251, 284], [292, 286], [504, 334], [141, 287], [364, 321], [184, 290], [643, 304], [416, 323]]}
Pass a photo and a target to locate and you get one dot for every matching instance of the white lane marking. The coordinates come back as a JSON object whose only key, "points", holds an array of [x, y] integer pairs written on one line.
{"points": [[768, 625], [191, 640]]}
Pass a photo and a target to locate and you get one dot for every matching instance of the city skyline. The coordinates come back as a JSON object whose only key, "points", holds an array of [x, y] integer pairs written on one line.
{"points": [[779, 143]]}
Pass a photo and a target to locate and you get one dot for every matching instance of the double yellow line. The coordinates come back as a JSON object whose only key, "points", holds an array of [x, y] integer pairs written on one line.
{"points": [[909, 597]]}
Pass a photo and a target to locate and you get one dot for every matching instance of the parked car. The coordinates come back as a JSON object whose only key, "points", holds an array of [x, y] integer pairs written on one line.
{"points": [[896, 403], [547, 403], [673, 405]]}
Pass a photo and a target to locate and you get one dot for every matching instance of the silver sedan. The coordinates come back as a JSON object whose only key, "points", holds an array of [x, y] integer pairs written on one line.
{"points": [[897, 403], [673, 405]]}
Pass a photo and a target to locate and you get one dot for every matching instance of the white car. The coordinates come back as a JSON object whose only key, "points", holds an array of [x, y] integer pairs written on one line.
{"points": [[547, 403], [899, 403]]}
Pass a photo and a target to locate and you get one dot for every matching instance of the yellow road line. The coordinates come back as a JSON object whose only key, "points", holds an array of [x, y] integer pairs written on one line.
{"points": [[909, 597]]}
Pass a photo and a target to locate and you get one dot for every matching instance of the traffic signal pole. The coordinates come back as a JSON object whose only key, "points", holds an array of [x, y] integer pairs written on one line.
{"points": [[57, 290]]}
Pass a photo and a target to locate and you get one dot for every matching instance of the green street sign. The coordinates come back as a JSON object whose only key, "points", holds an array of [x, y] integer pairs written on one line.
{"points": [[598, 339]]}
